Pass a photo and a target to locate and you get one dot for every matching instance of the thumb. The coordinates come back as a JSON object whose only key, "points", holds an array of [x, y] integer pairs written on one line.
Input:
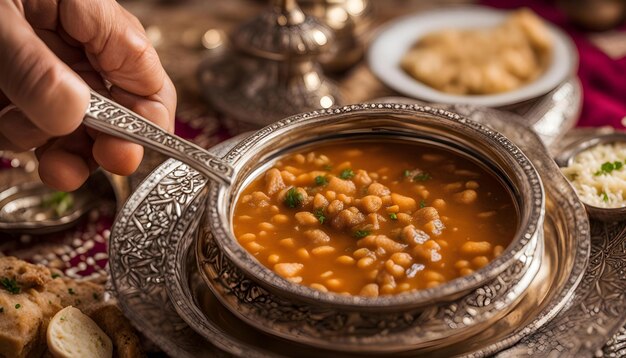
{"points": [[47, 91]]}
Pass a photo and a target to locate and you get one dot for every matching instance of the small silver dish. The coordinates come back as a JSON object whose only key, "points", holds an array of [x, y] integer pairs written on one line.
{"points": [[23, 209], [565, 157]]}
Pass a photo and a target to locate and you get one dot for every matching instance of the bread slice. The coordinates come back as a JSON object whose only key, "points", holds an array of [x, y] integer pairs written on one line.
{"points": [[72, 334]]}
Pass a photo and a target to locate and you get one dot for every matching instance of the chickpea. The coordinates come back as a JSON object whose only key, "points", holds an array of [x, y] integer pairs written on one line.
{"points": [[334, 283], [426, 214], [371, 203], [472, 185], [439, 204], [430, 275], [394, 269], [273, 259], [247, 237], [362, 252], [480, 261], [306, 218], [323, 250], [288, 243], [393, 209], [319, 287], [266, 226], [273, 181], [319, 201], [288, 269], [345, 260], [303, 253], [387, 289], [402, 258], [378, 189], [369, 290], [254, 247], [468, 196], [405, 203], [317, 236], [287, 177], [334, 207], [476, 248], [280, 219], [365, 262], [341, 186]]}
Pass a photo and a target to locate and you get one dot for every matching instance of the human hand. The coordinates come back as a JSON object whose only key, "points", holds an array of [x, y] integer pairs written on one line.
{"points": [[50, 52]]}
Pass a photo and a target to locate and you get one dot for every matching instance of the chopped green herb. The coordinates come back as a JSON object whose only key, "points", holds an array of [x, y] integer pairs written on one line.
{"points": [[605, 197], [293, 199], [17, 306], [95, 296], [423, 176], [1, 309], [10, 285], [393, 216], [55, 275], [62, 318], [608, 167], [328, 167], [321, 180], [319, 214], [59, 201], [422, 203], [346, 174], [406, 173], [359, 234], [71, 291]]}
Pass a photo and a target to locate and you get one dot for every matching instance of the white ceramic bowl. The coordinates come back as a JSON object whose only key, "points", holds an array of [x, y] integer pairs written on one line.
{"points": [[395, 39]]}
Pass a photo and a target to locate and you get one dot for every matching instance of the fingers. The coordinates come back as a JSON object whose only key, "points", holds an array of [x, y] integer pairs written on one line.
{"points": [[120, 49], [62, 170], [65, 163], [21, 133], [35, 80]]}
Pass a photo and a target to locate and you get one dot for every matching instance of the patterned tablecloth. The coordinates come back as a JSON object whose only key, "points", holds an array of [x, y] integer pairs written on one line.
{"points": [[176, 29]]}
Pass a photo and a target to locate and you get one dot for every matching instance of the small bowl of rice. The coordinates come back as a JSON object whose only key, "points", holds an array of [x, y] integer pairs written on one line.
{"points": [[596, 168]]}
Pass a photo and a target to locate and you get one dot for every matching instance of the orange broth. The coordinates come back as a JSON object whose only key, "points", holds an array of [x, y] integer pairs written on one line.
{"points": [[370, 218]]}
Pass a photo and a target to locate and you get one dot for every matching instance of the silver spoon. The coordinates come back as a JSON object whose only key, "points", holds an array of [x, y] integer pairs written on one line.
{"points": [[112, 118], [21, 208]]}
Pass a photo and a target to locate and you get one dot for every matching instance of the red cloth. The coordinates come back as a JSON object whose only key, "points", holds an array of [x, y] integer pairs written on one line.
{"points": [[603, 78]]}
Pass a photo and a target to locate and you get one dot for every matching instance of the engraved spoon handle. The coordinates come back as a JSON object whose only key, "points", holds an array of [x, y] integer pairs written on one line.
{"points": [[112, 118]]}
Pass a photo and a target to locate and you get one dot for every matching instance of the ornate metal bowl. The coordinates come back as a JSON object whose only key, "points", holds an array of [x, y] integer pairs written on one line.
{"points": [[386, 323]]}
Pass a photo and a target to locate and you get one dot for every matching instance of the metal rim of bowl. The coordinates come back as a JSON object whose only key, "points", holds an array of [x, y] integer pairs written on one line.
{"points": [[565, 157], [532, 194]]}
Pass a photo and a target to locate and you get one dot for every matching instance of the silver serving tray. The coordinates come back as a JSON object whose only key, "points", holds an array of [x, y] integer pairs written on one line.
{"points": [[147, 250]]}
